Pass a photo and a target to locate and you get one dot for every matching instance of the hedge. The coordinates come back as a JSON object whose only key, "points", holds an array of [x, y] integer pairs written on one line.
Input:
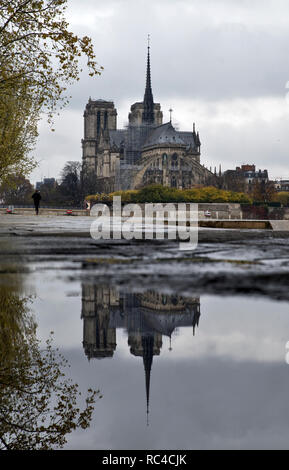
{"points": [[158, 193]]}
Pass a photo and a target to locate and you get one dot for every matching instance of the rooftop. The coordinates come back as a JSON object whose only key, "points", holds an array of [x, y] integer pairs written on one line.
{"points": [[164, 134]]}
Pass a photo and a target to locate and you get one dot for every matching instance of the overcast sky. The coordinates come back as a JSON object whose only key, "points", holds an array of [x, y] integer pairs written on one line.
{"points": [[223, 64]]}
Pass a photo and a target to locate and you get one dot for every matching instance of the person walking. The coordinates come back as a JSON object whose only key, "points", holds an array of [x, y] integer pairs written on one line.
{"points": [[36, 199]]}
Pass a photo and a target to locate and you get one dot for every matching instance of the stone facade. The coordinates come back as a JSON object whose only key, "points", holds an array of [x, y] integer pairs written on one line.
{"points": [[281, 185], [243, 178], [145, 152]]}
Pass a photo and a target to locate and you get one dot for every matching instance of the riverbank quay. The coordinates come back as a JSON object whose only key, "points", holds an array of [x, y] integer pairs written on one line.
{"points": [[225, 261]]}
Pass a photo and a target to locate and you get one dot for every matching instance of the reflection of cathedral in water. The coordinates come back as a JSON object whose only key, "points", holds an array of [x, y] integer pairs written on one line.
{"points": [[146, 317]]}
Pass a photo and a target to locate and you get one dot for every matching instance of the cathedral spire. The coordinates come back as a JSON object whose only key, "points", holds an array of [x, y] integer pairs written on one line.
{"points": [[148, 347], [148, 114]]}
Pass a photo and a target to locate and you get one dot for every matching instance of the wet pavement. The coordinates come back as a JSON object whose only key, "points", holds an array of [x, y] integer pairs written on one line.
{"points": [[226, 262]]}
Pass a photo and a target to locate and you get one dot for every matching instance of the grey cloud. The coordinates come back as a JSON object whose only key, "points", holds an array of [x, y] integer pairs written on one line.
{"points": [[192, 56], [212, 51], [264, 144], [212, 65]]}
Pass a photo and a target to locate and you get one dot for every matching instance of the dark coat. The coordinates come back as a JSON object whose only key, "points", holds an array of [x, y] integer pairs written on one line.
{"points": [[36, 197]]}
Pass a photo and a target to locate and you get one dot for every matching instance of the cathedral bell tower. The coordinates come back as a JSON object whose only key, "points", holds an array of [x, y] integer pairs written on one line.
{"points": [[99, 118]]}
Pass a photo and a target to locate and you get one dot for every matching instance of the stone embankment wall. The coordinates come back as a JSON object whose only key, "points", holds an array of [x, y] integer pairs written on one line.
{"points": [[265, 213], [219, 211]]}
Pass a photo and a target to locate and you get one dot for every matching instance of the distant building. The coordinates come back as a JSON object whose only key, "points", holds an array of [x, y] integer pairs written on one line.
{"points": [[281, 185], [47, 181], [243, 178]]}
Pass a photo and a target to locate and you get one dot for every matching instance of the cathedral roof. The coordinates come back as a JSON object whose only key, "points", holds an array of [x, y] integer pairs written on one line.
{"points": [[187, 137], [164, 134], [165, 323]]}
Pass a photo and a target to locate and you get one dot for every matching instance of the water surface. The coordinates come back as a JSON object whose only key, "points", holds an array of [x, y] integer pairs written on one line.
{"points": [[212, 368], [188, 350]]}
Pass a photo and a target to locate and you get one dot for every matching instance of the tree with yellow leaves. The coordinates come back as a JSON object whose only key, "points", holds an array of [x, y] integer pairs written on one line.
{"points": [[39, 57], [18, 130]]}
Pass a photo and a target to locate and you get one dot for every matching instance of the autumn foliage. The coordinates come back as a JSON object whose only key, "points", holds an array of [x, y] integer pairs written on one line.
{"points": [[39, 57], [159, 193]]}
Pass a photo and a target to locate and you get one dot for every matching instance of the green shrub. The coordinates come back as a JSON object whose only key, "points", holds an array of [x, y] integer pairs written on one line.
{"points": [[157, 193], [282, 197]]}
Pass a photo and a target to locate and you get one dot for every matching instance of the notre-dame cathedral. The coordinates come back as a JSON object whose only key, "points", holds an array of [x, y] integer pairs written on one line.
{"points": [[145, 152]]}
